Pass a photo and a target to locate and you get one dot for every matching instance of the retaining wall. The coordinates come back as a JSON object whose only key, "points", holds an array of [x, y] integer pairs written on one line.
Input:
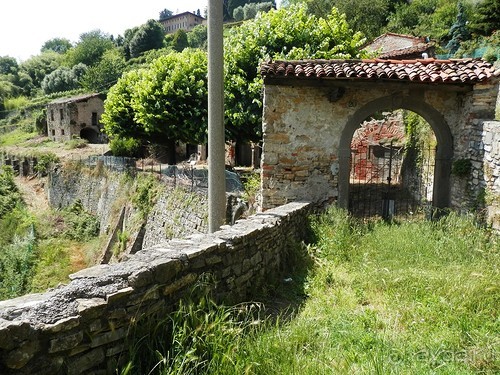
{"points": [[80, 328]]}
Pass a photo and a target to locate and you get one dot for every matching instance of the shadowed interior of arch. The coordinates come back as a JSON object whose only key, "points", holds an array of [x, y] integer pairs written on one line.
{"points": [[392, 159]]}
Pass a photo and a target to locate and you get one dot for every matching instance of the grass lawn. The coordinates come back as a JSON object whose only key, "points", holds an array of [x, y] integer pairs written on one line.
{"points": [[414, 297]]}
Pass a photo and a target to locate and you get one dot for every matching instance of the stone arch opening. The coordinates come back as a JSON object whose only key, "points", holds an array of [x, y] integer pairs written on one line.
{"points": [[442, 132], [90, 135]]}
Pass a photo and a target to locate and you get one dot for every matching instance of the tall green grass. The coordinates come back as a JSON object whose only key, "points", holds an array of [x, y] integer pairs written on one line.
{"points": [[414, 297]]}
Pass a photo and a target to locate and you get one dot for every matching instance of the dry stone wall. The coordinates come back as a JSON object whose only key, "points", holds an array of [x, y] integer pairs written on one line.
{"points": [[178, 212], [80, 328]]}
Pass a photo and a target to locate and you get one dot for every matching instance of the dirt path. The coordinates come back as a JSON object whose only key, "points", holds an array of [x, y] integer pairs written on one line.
{"points": [[33, 191]]}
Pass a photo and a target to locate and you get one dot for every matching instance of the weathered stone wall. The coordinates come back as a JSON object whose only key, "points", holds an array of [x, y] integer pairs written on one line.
{"points": [[308, 127], [491, 171], [98, 189], [476, 142], [301, 141], [80, 328], [177, 213]]}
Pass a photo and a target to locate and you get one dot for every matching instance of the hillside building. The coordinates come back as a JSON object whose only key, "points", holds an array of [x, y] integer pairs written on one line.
{"points": [[183, 21], [78, 116]]}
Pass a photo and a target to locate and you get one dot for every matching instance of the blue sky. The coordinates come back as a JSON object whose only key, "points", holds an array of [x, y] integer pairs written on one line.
{"points": [[26, 24]]}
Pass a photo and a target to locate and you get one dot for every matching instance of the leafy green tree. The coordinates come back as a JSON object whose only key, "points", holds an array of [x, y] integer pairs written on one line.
{"points": [[367, 16], [238, 14], [37, 67], [230, 5], [8, 65], [166, 13], [59, 45], [487, 17], [149, 36], [119, 116], [63, 79], [198, 37], [180, 40], [287, 33], [432, 18], [127, 38], [105, 74], [163, 103], [90, 49], [249, 11]]}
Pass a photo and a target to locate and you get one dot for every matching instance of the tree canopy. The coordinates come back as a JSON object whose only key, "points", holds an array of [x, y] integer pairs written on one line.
{"points": [[89, 49], [163, 103], [165, 13], [147, 37], [486, 17], [287, 33], [59, 45]]}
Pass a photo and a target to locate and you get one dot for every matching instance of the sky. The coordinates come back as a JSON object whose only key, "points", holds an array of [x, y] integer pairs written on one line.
{"points": [[25, 25]]}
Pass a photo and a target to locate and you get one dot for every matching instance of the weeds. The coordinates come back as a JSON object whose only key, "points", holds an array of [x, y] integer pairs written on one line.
{"points": [[200, 337], [409, 297]]}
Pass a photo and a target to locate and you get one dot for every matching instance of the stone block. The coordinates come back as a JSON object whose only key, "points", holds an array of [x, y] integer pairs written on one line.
{"points": [[121, 294], [179, 284], [107, 337], [165, 270], [65, 342], [89, 308], [81, 364], [18, 358]]}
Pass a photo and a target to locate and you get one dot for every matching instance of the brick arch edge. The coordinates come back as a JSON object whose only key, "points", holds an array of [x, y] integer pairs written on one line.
{"points": [[444, 154]]}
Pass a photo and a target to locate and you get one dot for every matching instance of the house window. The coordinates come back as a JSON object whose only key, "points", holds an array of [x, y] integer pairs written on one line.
{"points": [[61, 114], [53, 131], [51, 115], [94, 118], [62, 131]]}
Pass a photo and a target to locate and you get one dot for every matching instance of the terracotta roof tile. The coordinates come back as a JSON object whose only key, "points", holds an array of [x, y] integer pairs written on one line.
{"points": [[419, 70]]}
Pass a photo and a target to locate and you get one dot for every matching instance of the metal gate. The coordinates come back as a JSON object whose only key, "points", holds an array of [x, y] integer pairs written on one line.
{"points": [[386, 180]]}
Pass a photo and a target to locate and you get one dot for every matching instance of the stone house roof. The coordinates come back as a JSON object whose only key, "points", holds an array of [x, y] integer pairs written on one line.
{"points": [[420, 70], [399, 46], [77, 98]]}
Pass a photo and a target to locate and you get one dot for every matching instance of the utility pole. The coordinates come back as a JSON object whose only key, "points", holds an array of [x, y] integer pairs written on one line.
{"points": [[216, 150]]}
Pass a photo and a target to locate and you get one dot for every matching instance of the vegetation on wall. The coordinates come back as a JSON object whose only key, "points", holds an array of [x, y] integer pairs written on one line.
{"points": [[146, 192]]}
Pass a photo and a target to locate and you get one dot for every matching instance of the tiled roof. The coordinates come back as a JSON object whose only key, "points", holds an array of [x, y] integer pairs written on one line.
{"points": [[420, 70]]}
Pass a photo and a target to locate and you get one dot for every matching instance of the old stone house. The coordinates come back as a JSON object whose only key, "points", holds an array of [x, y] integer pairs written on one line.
{"points": [[78, 116], [183, 21]]}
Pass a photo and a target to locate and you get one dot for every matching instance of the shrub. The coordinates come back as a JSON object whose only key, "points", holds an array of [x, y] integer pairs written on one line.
{"points": [[17, 262], [146, 193], [44, 161], [82, 226], [76, 143], [10, 196], [125, 147]]}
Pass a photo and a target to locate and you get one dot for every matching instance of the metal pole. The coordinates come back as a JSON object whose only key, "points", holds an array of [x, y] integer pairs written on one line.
{"points": [[216, 169]]}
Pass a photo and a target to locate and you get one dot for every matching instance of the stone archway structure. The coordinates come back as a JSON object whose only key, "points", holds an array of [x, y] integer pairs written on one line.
{"points": [[444, 155], [312, 108]]}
